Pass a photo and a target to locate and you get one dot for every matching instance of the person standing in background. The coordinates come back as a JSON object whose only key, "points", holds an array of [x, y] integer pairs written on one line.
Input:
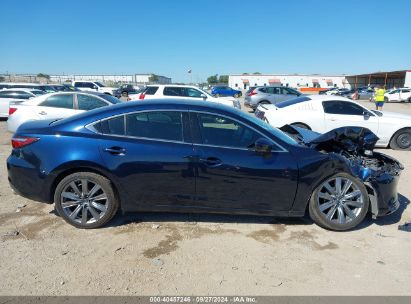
{"points": [[379, 98]]}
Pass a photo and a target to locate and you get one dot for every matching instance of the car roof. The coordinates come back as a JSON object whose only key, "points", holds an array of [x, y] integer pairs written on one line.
{"points": [[152, 104], [172, 85], [20, 89]]}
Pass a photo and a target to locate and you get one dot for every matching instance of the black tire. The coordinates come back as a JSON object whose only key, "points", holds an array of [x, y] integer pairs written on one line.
{"points": [[95, 206], [401, 140], [217, 95], [409, 99], [262, 102], [236, 95], [386, 99], [320, 218], [301, 125]]}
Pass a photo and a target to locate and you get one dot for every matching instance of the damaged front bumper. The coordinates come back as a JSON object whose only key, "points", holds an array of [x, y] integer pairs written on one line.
{"points": [[380, 174]]}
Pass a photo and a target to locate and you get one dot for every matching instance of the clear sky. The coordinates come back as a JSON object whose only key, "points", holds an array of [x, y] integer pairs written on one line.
{"points": [[168, 37]]}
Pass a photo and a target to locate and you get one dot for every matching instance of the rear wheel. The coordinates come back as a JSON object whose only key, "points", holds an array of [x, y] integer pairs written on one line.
{"points": [[236, 95], [85, 200], [386, 99], [339, 203], [409, 99], [401, 140], [263, 102], [217, 95]]}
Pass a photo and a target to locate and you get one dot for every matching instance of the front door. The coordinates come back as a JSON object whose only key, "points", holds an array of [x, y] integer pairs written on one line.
{"points": [[233, 177], [146, 151], [340, 113]]}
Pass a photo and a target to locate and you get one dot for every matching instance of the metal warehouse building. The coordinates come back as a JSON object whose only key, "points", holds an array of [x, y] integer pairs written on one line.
{"points": [[388, 79]]}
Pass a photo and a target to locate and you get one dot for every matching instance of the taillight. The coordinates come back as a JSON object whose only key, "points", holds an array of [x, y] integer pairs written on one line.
{"points": [[12, 110], [22, 141], [253, 92], [142, 96]]}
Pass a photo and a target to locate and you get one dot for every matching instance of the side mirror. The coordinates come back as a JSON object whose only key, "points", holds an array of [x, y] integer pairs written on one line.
{"points": [[367, 114], [203, 96], [95, 87], [263, 146]]}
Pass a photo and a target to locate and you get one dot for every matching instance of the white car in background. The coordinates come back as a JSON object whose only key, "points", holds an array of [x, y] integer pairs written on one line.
{"points": [[322, 113], [56, 106], [93, 86], [402, 94], [171, 91], [15, 95]]}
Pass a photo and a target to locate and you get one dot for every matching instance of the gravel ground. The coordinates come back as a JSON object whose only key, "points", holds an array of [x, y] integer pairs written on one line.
{"points": [[168, 254]]}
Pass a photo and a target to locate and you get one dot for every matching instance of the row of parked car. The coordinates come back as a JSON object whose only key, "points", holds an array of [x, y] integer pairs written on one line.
{"points": [[27, 104], [367, 93]]}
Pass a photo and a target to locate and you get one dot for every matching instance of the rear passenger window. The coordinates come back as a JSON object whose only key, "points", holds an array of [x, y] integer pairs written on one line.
{"points": [[151, 90], [164, 125], [173, 91], [59, 101], [112, 126]]}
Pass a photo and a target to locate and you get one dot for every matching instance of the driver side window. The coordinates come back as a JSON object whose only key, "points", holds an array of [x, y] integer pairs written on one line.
{"points": [[342, 108], [224, 132]]}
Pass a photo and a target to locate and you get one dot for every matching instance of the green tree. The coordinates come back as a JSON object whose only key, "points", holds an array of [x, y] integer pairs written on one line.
{"points": [[2, 78], [223, 79], [257, 73], [212, 79], [43, 76], [153, 78]]}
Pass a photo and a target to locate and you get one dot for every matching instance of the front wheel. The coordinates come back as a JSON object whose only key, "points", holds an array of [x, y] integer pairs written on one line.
{"points": [[236, 95], [85, 200], [217, 95], [401, 140], [339, 203]]}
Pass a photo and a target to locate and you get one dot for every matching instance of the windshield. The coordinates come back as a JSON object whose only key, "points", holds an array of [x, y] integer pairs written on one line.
{"points": [[291, 102], [99, 84], [110, 98], [276, 132]]}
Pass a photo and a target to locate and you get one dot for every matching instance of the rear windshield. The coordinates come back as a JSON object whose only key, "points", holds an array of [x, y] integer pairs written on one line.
{"points": [[291, 102]]}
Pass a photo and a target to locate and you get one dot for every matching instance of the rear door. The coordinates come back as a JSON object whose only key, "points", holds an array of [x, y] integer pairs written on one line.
{"points": [[274, 94], [56, 107], [150, 154], [340, 113], [234, 178]]}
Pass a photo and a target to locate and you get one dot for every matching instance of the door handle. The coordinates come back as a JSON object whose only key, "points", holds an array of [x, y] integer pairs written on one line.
{"points": [[43, 113], [211, 161], [115, 151]]}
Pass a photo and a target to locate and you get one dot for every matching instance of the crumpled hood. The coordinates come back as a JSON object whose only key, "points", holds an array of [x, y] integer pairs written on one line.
{"points": [[351, 139]]}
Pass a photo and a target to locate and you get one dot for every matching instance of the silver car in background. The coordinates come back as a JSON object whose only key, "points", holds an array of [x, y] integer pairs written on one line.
{"points": [[269, 94]]}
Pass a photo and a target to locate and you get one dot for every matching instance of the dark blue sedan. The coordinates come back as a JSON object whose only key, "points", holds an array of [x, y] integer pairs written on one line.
{"points": [[181, 156], [218, 91]]}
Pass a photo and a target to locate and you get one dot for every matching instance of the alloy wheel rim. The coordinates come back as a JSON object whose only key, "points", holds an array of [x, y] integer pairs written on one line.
{"points": [[84, 201], [340, 200], [404, 140]]}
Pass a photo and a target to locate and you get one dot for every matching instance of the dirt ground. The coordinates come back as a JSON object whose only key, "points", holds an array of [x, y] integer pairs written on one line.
{"points": [[168, 254]]}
